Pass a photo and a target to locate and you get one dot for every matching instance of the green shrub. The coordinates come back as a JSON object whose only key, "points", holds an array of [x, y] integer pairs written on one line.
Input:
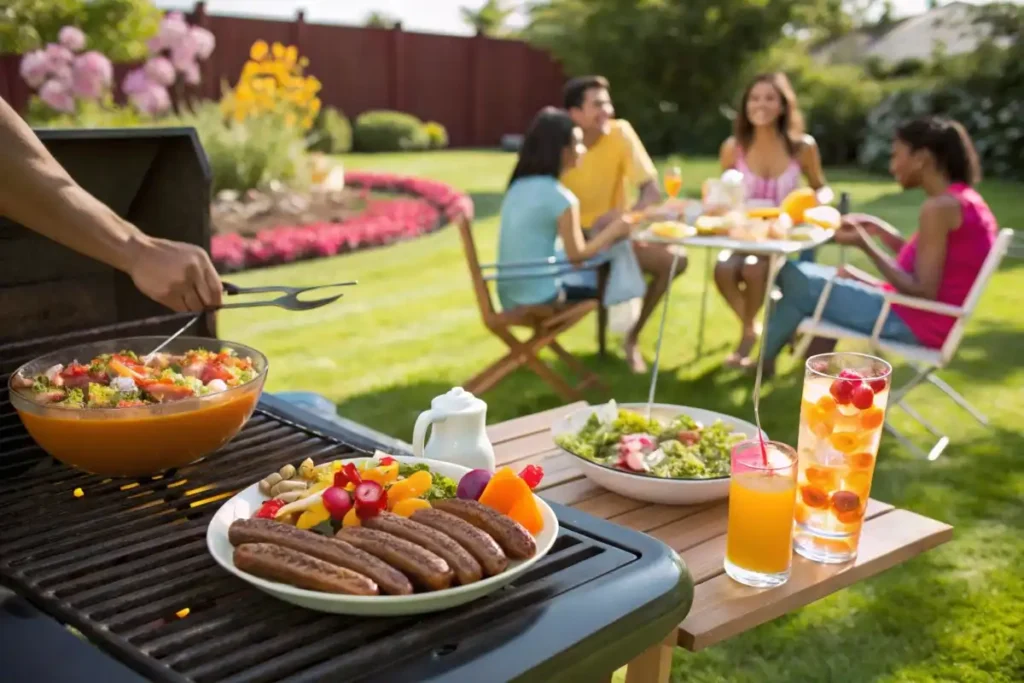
{"points": [[332, 133], [251, 154], [437, 134], [389, 131]]}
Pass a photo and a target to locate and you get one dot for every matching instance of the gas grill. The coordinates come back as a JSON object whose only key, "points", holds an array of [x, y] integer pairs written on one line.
{"points": [[124, 562]]}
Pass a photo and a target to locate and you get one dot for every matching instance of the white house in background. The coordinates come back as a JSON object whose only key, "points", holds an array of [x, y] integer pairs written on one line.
{"points": [[950, 28]]}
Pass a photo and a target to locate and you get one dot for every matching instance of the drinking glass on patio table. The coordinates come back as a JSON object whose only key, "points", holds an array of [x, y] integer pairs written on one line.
{"points": [[673, 181], [762, 492], [841, 417]]}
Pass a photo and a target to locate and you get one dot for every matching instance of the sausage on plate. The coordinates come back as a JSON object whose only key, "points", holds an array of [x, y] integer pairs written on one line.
{"points": [[422, 566], [465, 566], [512, 536], [389, 580], [481, 546], [277, 563]]}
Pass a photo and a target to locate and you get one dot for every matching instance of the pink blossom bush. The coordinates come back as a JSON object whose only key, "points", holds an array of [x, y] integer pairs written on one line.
{"points": [[431, 205], [62, 76], [72, 38]]}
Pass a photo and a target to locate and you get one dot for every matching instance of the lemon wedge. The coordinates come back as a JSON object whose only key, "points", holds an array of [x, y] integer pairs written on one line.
{"points": [[826, 217]]}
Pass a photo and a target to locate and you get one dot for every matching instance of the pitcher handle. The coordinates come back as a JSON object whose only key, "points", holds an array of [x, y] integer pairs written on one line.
{"points": [[419, 432]]}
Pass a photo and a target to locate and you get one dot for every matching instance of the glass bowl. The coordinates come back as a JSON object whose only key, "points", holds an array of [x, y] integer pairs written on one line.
{"points": [[139, 440]]}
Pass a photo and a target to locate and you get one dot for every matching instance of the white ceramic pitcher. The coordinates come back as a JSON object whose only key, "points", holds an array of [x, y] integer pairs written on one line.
{"points": [[459, 434]]}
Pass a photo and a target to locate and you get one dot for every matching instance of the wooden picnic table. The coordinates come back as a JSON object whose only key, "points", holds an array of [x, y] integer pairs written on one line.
{"points": [[721, 608]]}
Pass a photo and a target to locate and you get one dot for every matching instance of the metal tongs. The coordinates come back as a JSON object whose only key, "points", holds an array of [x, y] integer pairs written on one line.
{"points": [[289, 300]]}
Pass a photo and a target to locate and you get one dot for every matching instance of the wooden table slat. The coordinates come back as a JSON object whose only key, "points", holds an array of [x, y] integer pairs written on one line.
{"points": [[723, 608], [571, 492], [520, 448], [530, 424]]}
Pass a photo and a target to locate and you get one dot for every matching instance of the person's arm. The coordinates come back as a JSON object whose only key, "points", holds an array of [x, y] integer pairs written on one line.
{"points": [[640, 170], [727, 154], [39, 194], [939, 216], [576, 246], [879, 229], [809, 159]]}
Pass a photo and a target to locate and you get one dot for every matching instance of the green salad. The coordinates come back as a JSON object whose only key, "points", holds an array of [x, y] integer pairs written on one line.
{"points": [[679, 449]]}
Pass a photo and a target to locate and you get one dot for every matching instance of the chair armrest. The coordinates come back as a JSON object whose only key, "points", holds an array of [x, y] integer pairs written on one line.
{"points": [[512, 265], [924, 304]]}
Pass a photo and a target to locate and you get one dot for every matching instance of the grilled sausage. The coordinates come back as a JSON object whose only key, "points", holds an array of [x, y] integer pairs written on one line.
{"points": [[277, 563], [481, 546], [333, 550], [512, 536], [466, 568], [426, 569]]}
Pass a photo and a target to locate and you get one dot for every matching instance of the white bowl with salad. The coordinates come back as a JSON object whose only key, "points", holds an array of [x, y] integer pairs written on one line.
{"points": [[680, 456]]}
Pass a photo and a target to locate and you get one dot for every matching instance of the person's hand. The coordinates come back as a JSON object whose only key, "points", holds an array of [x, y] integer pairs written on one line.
{"points": [[850, 234], [605, 219], [868, 222], [177, 275]]}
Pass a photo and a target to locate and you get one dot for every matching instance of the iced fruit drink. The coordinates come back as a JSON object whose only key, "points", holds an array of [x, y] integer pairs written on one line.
{"points": [[841, 416], [759, 539]]}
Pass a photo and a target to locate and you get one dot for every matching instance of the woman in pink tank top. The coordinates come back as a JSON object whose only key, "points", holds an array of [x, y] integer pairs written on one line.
{"points": [[772, 151], [939, 262]]}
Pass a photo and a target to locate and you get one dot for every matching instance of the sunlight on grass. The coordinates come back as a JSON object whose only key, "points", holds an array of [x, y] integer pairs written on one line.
{"points": [[411, 330]]}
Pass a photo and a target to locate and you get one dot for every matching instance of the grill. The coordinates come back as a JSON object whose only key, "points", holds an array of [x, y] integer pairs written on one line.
{"points": [[124, 562]]}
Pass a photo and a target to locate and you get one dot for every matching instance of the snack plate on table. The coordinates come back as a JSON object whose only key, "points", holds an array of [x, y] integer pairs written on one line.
{"points": [[685, 463], [251, 501]]}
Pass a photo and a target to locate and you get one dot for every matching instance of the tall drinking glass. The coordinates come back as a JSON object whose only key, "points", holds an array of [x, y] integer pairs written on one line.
{"points": [[673, 181], [841, 416], [762, 493]]}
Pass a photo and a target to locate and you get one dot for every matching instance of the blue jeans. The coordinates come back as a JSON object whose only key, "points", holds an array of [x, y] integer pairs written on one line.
{"points": [[852, 304]]}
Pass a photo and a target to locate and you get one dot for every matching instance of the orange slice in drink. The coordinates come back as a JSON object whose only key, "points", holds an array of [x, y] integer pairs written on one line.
{"points": [[872, 418], [845, 442]]}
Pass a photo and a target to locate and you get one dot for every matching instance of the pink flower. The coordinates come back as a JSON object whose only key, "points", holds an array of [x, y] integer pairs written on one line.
{"points": [[135, 81], [72, 38], [57, 96], [160, 70], [203, 40], [183, 54], [92, 73], [58, 55], [34, 68], [172, 29], [192, 75], [152, 99]]}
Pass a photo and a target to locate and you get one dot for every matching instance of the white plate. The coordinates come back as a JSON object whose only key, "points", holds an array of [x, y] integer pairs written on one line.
{"points": [[248, 501], [647, 487]]}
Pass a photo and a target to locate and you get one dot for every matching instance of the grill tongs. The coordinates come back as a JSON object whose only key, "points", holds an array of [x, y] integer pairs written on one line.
{"points": [[289, 300]]}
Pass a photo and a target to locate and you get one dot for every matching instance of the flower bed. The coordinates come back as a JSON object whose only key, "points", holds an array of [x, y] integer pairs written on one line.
{"points": [[429, 206]]}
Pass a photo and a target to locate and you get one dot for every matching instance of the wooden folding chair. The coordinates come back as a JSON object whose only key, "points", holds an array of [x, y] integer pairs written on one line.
{"points": [[546, 320]]}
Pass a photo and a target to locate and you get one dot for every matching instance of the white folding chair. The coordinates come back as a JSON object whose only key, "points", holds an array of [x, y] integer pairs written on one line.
{"points": [[925, 360]]}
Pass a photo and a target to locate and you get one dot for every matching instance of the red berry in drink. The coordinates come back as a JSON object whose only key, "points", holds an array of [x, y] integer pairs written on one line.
{"points": [[862, 397], [852, 375], [878, 384], [840, 390]]}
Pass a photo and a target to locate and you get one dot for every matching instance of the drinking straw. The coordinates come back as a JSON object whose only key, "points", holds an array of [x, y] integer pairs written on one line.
{"points": [[773, 266], [661, 332]]}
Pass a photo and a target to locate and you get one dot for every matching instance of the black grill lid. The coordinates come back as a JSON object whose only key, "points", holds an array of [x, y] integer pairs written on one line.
{"points": [[158, 179]]}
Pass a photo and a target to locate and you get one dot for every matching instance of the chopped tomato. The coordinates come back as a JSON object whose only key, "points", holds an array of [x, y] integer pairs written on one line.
{"points": [[214, 371], [75, 370]]}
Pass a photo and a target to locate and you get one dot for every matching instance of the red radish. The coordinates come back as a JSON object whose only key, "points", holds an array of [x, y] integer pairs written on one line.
{"points": [[635, 462], [862, 397], [338, 502], [371, 498]]}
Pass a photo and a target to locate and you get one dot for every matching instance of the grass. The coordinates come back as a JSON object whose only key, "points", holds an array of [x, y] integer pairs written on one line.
{"points": [[411, 331]]}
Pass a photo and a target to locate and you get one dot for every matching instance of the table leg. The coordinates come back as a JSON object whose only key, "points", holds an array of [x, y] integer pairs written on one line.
{"points": [[654, 664], [661, 332], [708, 270]]}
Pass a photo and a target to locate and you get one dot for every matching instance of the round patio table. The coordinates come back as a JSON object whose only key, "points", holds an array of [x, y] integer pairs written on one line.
{"points": [[776, 251]]}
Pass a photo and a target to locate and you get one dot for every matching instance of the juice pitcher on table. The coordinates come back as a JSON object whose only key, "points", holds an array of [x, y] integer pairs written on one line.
{"points": [[459, 435]]}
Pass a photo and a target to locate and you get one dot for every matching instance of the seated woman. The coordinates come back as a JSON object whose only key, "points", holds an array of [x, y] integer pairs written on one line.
{"points": [[771, 150], [956, 231], [538, 209]]}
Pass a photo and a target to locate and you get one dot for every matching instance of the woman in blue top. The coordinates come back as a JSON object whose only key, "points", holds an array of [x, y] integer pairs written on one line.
{"points": [[537, 210]]}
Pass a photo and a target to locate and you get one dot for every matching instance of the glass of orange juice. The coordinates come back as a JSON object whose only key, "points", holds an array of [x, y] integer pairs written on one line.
{"points": [[673, 180], [762, 496]]}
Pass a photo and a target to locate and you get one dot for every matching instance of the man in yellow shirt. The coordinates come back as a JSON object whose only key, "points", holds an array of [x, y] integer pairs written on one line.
{"points": [[615, 161]]}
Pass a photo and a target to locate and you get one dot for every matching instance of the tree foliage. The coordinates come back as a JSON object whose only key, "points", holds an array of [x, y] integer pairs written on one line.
{"points": [[490, 19], [117, 28]]}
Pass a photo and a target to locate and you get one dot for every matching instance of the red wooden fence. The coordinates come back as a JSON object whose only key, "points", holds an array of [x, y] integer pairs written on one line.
{"points": [[480, 88]]}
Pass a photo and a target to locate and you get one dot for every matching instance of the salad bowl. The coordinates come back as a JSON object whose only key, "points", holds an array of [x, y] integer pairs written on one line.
{"points": [[679, 473]]}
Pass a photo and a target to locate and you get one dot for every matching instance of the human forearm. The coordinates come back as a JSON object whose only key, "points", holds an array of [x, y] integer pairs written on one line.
{"points": [[904, 282], [37, 193], [649, 196]]}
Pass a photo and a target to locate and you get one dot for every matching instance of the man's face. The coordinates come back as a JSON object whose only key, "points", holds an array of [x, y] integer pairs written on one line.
{"points": [[594, 115]]}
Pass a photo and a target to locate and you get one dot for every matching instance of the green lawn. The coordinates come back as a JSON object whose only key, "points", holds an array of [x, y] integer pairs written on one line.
{"points": [[411, 331]]}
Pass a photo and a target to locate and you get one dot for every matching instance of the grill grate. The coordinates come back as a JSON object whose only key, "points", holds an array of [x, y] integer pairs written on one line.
{"points": [[121, 559]]}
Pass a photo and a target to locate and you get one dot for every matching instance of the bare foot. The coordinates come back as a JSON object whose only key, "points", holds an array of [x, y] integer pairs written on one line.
{"points": [[740, 358], [634, 359]]}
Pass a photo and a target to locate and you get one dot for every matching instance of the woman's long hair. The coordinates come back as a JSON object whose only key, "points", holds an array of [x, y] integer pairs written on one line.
{"points": [[949, 143], [790, 122], [549, 134]]}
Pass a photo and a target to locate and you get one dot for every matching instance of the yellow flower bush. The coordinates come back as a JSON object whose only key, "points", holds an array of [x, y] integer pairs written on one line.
{"points": [[272, 82]]}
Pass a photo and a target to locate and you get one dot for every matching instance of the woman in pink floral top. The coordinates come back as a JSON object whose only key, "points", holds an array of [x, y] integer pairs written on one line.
{"points": [[939, 262]]}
